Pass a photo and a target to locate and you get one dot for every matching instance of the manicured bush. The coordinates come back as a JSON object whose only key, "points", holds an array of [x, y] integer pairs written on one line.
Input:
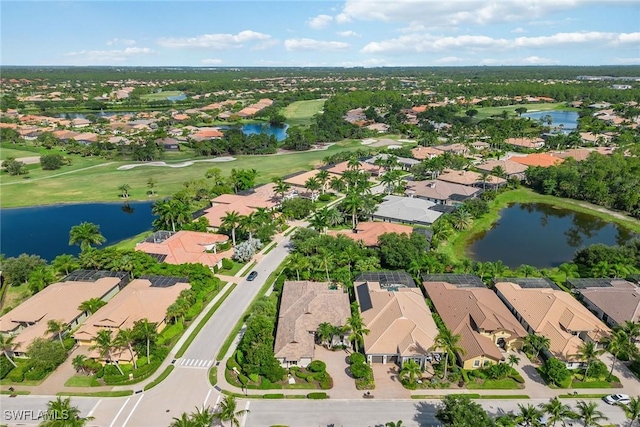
{"points": [[273, 396], [317, 366], [232, 363], [360, 370], [35, 374], [5, 366], [517, 377], [324, 197], [16, 375], [357, 358], [317, 395], [227, 264], [254, 377]]}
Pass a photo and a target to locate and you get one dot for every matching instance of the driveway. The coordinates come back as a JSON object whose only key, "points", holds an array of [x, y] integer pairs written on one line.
{"points": [[388, 384], [344, 386]]}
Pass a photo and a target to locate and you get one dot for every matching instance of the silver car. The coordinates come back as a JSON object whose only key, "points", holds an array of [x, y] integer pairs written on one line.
{"points": [[617, 399]]}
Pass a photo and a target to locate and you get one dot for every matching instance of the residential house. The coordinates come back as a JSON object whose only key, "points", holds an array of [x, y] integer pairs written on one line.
{"points": [[400, 324], [441, 192], [472, 179], [405, 163], [341, 168], [537, 159], [556, 315], [406, 210], [59, 302], [578, 154], [304, 306], [486, 327], [615, 301], [530, 143], [368, 232], [422, 153], [510, 168], [186, 247], [169, 144], [457, 149], [144, 298]]}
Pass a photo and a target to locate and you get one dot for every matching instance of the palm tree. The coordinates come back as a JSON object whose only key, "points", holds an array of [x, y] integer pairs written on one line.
{"points": [[250, 223], [499, 172], [394, 424], [411, 369], [557, 411], [232, 220], [327, 258], [602, 269], [484, 177], [65, 264], [86, 234], [589, 414], [325, 333], [356, 326], [313, 185], [323, 178], [281, 187], [616, 343], [353, 163], [78, 362], [632, 329], [334, 217], [124, 189], [447, 342], [105, 345], [57, 327], [146, 330], [228, 412], [632, 410], [588, 352], [125, 339], [7, 345], [319, 221], [202, 417], [298, 262], [536, 343], [513, 360], [91, 305], [498, 269], [184, 421], [528, 415], [63, 414], [337, 184], [461, 219], [352, 204], [569, 269], [527, 270]]}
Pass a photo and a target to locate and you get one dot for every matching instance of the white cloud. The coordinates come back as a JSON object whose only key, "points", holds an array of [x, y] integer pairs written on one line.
{"points": [[371, 62], [316, 45], [215, 41], [519, 30], [348, 33], [536, 60], [211, 61], [627, 61], [448, 60], [319, 22], [90, 57], [125, 42], [452, 12], [430, 43]]}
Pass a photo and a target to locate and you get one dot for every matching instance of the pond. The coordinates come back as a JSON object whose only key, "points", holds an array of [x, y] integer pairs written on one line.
{"points": [[44, 230], [565, 120], [280, 132], [542, 236]]}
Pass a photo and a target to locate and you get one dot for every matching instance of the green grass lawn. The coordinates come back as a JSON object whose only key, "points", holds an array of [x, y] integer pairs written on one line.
{"points": [[82, 381], [133, 241], [485, 112], [299, 113], [15, 295], [100, 183], [15, 153], [160, 95], [504, 384], [232, 272]]}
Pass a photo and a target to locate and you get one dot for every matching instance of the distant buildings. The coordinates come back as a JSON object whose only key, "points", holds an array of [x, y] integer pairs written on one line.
{"points": [[406, 210]]}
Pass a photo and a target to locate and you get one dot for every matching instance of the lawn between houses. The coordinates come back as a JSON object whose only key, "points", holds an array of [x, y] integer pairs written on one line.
{"points": [[457, 245], [80, 183]]}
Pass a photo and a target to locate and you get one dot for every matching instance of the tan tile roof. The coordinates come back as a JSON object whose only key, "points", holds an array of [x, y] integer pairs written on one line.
{"points": [[438, 190], [368, 232], [58, 301], [509, 166], [138, 300], [578, 154], [342, 167], [467, 311], [621, 302], [554, 314], [537, 159], [399, 322], [188, 247], [248, 200], [299, 180], [215, 214], [303, 307], [421, 152], [525, 142], [469, 178]]}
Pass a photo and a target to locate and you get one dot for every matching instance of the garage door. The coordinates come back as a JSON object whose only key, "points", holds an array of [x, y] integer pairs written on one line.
{"points": [[376, 359]]}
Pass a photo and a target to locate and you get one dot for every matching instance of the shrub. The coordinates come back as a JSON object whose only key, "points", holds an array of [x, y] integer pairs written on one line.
{"points": [[324, 197], [357, 358], [50, 162], [227, 264], [254, 377], [16, 375], [556, 372], [5, 366], [517, 377], [35, 374], [317, 366], [598, 370], [317, 395], [232, 363], [360, 370], [273, 396]]}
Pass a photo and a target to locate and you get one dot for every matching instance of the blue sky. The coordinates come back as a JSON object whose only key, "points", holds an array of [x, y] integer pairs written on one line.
{"points": [[320, 33]]}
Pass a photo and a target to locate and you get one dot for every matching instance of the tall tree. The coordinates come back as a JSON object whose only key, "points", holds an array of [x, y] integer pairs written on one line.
{"points": [[147, 331], [57, 327], [63, 414], [124, 190], [632, 410], [86, 234], [616, 343], [528, 415], [411, 370], [228, 411], [91, 305], [356, 326], [125, 339], [65, 264], [231, 220], [352, 203], [588, 352], [557, 411], [448, 343], [104, 344], [7, 345], [535, 343], [589, 414]]}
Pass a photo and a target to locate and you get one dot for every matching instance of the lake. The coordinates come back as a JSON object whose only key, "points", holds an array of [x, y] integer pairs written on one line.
{"points": [[568, 119], [44, 230], [280, 132], [542, 236]]}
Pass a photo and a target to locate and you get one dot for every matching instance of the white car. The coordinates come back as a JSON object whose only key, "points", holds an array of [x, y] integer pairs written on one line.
{"points": [[616, 399]]}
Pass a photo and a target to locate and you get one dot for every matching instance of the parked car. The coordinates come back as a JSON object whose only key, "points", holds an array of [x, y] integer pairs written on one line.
{"points": [[617, 399], [252, 276]]}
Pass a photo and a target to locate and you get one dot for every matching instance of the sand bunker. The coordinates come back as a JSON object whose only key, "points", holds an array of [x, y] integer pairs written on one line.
{"points": [[176, 165], [368, 141]]}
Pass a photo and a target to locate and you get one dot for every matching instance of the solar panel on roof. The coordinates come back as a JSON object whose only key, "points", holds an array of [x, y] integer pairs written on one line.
{"points": [[581, 283], [93, 275], [460, 280], [159, 236], [387, 278], [164, 281], [530, 282], [363, 297]]}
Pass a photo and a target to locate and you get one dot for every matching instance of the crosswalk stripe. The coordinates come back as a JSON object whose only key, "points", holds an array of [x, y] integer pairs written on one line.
{"points": [[195, 363]]}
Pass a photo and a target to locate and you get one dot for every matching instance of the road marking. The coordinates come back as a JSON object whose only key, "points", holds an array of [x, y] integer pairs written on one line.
{"points": [[204, 404], [132, 411], [94, 408], [195, 363], [119, 412]]}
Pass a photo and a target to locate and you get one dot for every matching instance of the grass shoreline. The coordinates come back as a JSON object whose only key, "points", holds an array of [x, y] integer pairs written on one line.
{"points": [[457, 247]]}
